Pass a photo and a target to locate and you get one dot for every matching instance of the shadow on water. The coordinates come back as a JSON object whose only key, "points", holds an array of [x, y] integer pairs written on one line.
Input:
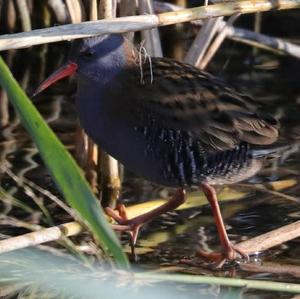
{"points": [[163, 243]]}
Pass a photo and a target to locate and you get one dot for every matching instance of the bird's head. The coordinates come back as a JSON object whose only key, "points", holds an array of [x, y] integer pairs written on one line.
{"points": [[95, 59]]}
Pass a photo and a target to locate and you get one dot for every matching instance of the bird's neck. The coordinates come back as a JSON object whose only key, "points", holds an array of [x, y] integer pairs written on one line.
{"points": [[108, 66], [90, 107]]}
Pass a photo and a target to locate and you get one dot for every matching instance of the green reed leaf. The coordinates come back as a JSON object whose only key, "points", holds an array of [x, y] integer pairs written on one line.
{"points": [[67, 175]]}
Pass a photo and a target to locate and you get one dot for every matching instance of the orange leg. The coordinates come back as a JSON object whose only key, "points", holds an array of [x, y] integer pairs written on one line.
{"points": [[229, 251], [133, 225]]}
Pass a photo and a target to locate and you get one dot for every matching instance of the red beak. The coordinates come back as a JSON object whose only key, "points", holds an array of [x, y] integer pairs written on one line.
{"points": [[66, 70]]}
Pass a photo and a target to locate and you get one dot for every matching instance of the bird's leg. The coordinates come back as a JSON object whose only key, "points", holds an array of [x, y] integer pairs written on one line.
{"points": [[133, 225], [230, 252]]}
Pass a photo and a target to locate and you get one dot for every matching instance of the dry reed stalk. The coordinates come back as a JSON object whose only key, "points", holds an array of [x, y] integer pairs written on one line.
{"points": [[11, 16], [136, 23], [75, 11], [251, 246], [127, 8], [110, 180], [93, 10], [59, 9], [108, 166], [216, 43], [204, 37], [4, 109], [86, 150], [107, 9], [257, 27], [24, 14], [271, 239], [202, 41], [40, 237], [263, 41], [243, 35], [151, 37]]}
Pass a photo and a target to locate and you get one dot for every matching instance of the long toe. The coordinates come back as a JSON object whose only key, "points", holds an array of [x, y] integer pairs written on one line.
{"points": [[124, 224], [119, 214], [218, 259]]}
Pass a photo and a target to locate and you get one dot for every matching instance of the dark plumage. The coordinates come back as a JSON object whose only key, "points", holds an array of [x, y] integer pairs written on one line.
{"points": [[167, 121], [191, 121]]}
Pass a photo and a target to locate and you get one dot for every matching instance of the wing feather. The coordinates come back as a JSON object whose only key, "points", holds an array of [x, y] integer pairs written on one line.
{"points": [[181, 97]]}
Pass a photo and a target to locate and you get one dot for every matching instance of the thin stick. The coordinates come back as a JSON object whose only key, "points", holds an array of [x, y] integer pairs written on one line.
{"points": [[41, 236], [23, 182], [136, 23], [271, 239]]}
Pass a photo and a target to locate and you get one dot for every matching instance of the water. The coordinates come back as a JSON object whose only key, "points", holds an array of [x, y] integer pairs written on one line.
{"points": [[165, 242]]}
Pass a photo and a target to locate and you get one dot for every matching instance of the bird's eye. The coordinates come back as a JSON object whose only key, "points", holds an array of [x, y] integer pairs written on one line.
{"points": [[88, 53]]}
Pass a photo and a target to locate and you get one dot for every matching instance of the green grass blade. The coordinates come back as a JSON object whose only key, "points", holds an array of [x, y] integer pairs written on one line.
{"points": [[222, 281], [66, 173]]}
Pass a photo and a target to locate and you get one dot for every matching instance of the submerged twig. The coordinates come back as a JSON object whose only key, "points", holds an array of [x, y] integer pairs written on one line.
{"points": [[268, 267], [136, 23]]}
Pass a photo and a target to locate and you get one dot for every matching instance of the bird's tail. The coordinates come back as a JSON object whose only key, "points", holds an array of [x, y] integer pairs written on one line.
{"points": [[276, 151]]}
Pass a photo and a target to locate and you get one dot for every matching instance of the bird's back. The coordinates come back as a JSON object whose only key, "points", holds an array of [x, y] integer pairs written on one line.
{"points": [[190, 123]]}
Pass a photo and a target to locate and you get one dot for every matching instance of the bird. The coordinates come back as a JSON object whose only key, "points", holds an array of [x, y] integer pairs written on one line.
{"points": [[167, 121]]}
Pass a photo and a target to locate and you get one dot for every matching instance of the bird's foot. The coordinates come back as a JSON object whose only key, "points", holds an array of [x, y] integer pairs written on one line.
{"points": [[124, 224], [230, 254], [133, 225]]}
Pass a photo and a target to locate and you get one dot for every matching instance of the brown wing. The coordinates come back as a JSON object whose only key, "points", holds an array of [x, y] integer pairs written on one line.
{"points": [[181, 97]]}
